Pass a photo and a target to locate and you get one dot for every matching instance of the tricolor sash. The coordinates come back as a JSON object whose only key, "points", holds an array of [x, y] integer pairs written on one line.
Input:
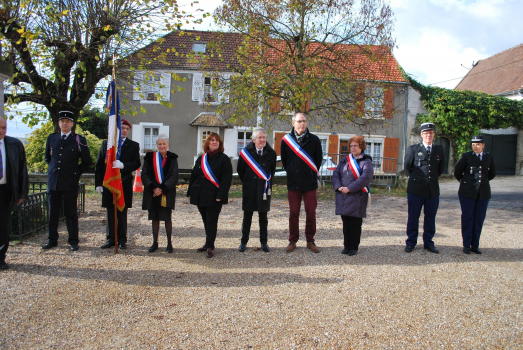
{"points": [[158, 173], [208, 172], [356, 171], [300, 152], [258, 171]]}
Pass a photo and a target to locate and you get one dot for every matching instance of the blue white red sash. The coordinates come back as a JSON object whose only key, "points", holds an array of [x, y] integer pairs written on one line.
{"points": [[356, 171], [300, 152], [158, 174], [258, 171], [208, 172]]}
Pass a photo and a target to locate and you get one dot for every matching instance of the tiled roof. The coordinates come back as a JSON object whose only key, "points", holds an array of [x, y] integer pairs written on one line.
{"points": [[500, 73], [208, 119]]}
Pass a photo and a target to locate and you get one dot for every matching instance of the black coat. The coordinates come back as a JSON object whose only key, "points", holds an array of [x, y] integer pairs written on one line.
{"points": [[130, 157], [170, 175], [252, 185], [300, 177], [16, 171], [204, 193], [423, 172], [479, 181], [64, 171]]}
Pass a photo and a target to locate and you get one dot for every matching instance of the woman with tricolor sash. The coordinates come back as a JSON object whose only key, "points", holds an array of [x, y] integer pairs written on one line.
{"points": [[209, 186], [159, 178], [351, 181]]}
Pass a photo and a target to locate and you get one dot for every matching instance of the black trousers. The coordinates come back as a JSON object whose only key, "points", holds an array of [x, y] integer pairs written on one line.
{"points": [[351, 232], [5, 220], [210, 216], [71, 214], [246, 226], [121, 217]]}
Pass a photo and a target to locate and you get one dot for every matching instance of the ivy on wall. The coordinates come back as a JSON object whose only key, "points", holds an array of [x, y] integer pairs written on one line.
{"points": [[462, 114]]}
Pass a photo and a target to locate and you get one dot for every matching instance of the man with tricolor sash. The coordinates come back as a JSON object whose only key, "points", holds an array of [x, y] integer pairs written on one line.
{"points": [[301, 156], [256, 167]]}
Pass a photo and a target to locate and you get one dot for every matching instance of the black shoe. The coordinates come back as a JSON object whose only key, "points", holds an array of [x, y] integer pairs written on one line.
{"points": [[122, 246], [107, 245], [431, 249], [265, 248], [74, 247], [345, 251], [202, 249], [352, 252], [475, 250], [49, 245], [3, 266], [466, 250], [242, 248], [169, 249], [210, 253], [409, 249], [153, 248]]}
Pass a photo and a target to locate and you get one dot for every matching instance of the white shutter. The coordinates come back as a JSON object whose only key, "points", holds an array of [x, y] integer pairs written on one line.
{"points": [[230, 142], [138, 81], [166, 83], [137, 133], [164, 129], [225, 88], [197, 86]]}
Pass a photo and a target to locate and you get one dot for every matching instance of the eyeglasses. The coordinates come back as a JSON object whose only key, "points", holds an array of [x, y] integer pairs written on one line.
{"points": [[300, 121], [351, 146]]}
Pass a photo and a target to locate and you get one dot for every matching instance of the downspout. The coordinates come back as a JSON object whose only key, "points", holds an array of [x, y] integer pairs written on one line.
{"points": [[405, 123]]}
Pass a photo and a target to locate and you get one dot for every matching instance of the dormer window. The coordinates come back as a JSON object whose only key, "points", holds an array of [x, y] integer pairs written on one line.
{"points": [[199, 47]]}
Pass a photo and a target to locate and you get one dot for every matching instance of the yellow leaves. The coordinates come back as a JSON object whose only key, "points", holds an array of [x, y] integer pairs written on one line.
{"points": [[21, 30], [65, 12]]}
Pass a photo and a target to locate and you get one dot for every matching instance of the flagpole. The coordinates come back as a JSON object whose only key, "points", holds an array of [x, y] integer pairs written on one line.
{"points": [[114, 158]]}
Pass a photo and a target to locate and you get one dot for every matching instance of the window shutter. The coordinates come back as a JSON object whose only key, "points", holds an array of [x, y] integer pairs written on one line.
{"points": [[164, 129], [225, 87], [276, 104], [197, 86], [333, 147], [359, 100], [137, 132], [390, 150], [165, 91], [388, 101], [138, 81], [230, 142], [278, 136]]}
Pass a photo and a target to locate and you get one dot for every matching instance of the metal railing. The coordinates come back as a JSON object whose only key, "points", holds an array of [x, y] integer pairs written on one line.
{"points": [[33, 213]]}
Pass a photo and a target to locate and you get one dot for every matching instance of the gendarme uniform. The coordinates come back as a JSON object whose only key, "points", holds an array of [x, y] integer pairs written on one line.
{"points": [[423, 166], [474, 172], [63, 153]]}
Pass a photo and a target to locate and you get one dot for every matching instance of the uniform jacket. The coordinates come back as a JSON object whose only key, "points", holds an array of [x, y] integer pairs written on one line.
{"points": [[64, 171], [204, 193], [252, 185], [170, 175], [130, 157], [353, 203], [475, 175], [423, 172], [16, 171], [300, 177]]}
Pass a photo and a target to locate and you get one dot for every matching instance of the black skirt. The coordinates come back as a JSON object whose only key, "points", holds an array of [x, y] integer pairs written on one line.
{"points": [[159, 212]]}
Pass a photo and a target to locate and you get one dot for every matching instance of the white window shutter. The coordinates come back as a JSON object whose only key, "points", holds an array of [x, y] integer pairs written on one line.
{"points": [[197, 86], [225, 87], [165, 91], [137, 133], [164, 129], [230, 142], [138, 81]]}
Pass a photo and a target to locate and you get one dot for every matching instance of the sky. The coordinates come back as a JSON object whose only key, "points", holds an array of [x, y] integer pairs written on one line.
{"points": [[437, 40]]}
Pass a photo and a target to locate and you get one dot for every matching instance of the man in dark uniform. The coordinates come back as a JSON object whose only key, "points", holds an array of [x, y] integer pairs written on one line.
{"points": [[63, 150], [424, 164], [129, 162], [14, 185], [474, 171]]}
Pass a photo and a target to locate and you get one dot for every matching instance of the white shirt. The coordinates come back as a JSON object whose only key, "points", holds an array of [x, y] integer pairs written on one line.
{"points": [[427, 146], [3, 180], [66, 135], [258, 150], [480, 155]]}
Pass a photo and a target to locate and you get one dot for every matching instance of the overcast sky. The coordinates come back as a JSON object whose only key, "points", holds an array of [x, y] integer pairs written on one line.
{"points": [[434, 37]]}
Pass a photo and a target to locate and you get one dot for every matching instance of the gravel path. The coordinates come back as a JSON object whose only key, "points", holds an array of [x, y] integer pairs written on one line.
{"points": [[380, 298]]}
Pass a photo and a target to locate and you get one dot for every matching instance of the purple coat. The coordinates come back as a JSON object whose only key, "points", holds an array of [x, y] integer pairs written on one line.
{"points": [[353, 203]]}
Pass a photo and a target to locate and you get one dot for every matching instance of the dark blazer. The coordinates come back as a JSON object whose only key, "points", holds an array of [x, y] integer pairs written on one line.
{"points": [[423, 172], [203, 193], [252, 185], [64, 171], [300, 177], [16, 171], [479, 181], [170, 175], [130, 157]]}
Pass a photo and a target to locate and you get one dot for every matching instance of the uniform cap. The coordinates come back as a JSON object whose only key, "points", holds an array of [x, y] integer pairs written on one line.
{"points": [[66, 115], [478, 138], [427, 126], [126, 123]]}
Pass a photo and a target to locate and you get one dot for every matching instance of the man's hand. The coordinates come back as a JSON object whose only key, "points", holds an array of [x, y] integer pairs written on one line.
{"points": [[99, 189], [157, 192], [344, 189], [117, 164]]}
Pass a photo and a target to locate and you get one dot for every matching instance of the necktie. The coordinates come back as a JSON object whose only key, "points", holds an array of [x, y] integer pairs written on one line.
{"points": [[63, 138], [259, 153], [428, 151], [479, 156], [1, 163]]}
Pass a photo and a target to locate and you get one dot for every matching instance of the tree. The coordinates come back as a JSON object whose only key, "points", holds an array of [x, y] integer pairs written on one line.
{"points": [[94, 121], [312, 56], [61, 50]]}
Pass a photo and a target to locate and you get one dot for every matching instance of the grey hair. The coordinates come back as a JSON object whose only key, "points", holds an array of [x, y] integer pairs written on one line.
{"points": [[162, 137], [296, 114], [256, 131]]}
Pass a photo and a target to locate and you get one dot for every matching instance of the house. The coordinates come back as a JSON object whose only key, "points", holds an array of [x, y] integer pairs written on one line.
{"points": [[501, 75], [179, 79]]}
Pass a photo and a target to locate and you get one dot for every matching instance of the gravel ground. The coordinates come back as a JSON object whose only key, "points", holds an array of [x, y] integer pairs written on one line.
{"points": [[380, 298]]}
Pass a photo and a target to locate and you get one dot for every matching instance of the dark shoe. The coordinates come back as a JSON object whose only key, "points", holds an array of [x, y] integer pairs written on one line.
{"points": [[202, 249], [107, 245], [210, 253], [242, 248], [466, 250], [49, 245], [352, 252], [122, 246], [265, 248], [345, 251], [153, 248], [290, 248], [475, 250], [169, 249], [431, 249], [3, 266], [409, 249], [74, 247], [313, 247]]}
